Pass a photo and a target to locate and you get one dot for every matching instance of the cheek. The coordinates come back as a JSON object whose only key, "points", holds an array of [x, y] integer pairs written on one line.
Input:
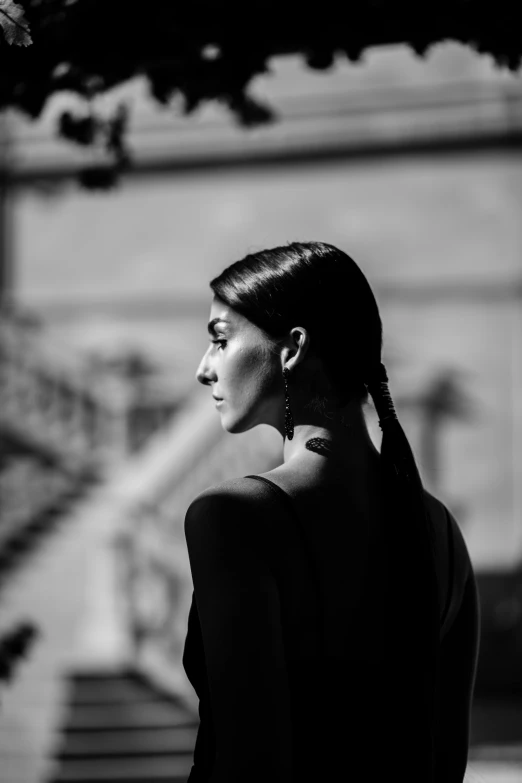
{"points": [[265, 376], [255, 374]]}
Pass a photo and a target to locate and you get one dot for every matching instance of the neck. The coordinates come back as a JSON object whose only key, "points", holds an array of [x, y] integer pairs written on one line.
{"points": [[344, 431]]}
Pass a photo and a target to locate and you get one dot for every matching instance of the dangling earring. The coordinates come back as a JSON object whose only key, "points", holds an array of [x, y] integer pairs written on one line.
{"points": [[289, 421]]}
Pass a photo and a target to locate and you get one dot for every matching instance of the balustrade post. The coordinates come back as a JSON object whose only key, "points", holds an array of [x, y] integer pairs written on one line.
{"points": [[92, 416], [116, 436], [6, 233]]}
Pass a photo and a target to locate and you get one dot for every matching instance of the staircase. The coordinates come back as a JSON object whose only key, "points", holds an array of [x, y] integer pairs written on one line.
{"points": [[18, 543], [117, 727]]}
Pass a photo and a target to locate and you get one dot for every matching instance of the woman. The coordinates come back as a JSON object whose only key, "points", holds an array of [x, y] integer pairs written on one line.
{"points": [[333, 632]]}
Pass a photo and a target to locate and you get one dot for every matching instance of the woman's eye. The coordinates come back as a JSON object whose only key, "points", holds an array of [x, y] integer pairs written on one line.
{"points": [[219, 342]]}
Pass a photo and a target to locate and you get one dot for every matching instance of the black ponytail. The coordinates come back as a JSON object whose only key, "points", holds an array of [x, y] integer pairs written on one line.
{"points": [[411, 533]]}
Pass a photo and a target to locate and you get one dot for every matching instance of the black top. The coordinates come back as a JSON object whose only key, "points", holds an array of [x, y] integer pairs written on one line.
{"points": [[272, 706]]}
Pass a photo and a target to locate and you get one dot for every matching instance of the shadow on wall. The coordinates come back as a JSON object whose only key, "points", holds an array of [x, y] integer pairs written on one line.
{"points": [[496, 728], [500, 660]]}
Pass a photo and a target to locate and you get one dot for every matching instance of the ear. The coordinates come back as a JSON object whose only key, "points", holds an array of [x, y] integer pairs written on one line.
{"points": [[295, 347]]}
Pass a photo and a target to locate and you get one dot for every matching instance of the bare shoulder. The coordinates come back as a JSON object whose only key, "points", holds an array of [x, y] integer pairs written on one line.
{"points": [[228, 502], [231, 522], [240, 490]]}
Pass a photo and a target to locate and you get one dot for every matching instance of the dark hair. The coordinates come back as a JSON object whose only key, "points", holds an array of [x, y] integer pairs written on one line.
{"points": [[318, 286]]}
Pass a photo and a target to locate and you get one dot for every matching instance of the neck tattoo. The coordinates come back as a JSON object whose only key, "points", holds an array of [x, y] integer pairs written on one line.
{"points": [[320, 446]]}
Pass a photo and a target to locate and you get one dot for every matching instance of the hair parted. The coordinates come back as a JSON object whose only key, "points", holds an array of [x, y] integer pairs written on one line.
{"points": [[319, 287]]}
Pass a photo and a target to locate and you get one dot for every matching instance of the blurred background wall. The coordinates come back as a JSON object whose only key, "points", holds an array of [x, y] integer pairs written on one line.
{"points": [[438, 235]]}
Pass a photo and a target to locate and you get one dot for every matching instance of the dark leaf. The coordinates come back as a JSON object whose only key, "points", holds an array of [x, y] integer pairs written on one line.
{"points": [[82, 130], [31, 97], [99, 177], [14, 23], [320, 59], [115, 129], [250, 112]]}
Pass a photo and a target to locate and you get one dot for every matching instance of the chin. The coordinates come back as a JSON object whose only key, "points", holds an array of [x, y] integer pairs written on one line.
{"points": [[236, 425]]}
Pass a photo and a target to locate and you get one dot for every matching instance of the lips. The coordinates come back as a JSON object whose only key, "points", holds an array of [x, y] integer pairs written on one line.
{"points": [[217, 399]]}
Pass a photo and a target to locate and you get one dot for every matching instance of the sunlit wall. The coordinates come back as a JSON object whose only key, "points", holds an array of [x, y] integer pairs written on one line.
{"points": [[439, 238]]}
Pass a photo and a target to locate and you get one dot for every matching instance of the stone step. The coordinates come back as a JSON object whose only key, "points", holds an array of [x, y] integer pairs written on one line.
{"points": [[110, 689], [493, 772], [141, 715], [163, 769], [496, 721], [146, 742], [508, 753]]}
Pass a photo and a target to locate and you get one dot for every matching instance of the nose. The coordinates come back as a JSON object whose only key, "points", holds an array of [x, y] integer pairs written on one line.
{"points": [[204, 373]]}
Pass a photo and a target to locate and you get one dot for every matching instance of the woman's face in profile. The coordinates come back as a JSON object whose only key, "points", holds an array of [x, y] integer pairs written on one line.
{"points": [[241, 371]]}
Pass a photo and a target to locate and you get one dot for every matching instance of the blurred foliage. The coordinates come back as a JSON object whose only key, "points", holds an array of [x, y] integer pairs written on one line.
{"points": [[205, 51], [447, 398], [133, 364]]}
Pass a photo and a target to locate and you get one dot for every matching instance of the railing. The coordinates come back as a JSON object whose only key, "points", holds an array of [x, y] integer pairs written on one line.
{"points": [[85, 415], [155, 585], [27, 490]]}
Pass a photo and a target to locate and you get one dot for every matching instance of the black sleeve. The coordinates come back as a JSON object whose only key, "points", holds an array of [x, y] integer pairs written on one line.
{"points": [[194, 664], [239, 613], [458, 665]]}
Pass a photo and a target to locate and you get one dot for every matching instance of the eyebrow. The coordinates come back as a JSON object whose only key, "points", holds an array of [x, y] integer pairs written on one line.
{"points": [[211, 324]]}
